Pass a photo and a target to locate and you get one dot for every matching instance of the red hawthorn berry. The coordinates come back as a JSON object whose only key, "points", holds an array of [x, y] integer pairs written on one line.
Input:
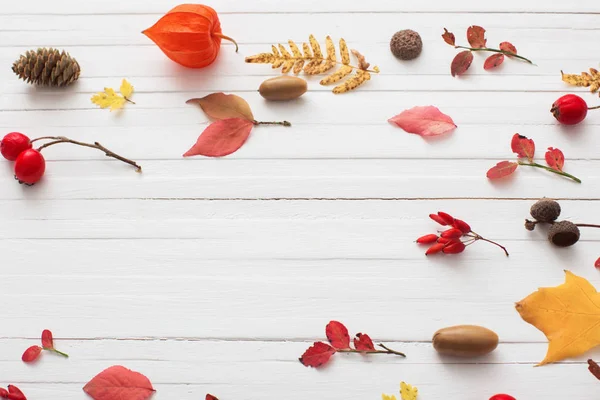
{"points": [[438, 219], [427, 239], [436, 248], [462, 225], [454, 248], [502, 397], [444, 240], [13, 144], [30, 166], [452, 233], [3, 393], [569, 109], [449, 219]]}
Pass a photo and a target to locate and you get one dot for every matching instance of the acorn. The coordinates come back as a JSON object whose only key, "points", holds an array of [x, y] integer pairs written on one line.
{"points": [[563, 234], [406, 44], [545, 210]]}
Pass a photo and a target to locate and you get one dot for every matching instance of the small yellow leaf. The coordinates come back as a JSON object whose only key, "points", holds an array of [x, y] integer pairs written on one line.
{"points": [[352, 83], [340, 74], [344, 52], [388, 397], [330, 49], [315, 47], [126, 89], [408, 392], [295, 49]]}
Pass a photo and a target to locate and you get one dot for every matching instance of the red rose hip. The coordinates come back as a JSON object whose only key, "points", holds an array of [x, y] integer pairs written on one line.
{"points": [[502, 397], [13, 144], [30, 166], [570, 109]]}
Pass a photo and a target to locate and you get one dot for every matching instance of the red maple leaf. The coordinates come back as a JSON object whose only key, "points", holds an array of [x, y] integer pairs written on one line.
{"points": [[317, 355], [363, 342], [522, 146], [337, 334]]}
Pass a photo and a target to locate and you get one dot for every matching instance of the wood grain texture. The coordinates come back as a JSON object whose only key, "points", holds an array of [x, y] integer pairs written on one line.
{"points": [[215, 275]]}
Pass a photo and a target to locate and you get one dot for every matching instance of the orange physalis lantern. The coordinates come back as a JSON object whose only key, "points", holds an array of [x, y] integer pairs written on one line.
{"points": [[189, 34]]}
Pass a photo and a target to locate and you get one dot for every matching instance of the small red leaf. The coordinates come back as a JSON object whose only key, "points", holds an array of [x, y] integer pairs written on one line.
{"points": [[462, 225], [555, 159], [522, 146], [597, 264], [337, 334], [424, 121], [317, 355], [446, 217], [221, 138], [476, 36], [14, 393], [428, 239], [493, 61], [454, 248], [31, 354], [362, 342], [449, 37], [118, 382], [452, 233], [211, 397], [436, 248], [461, 63], [506, 46], [502, 169], [47, 340], [438, 219]]}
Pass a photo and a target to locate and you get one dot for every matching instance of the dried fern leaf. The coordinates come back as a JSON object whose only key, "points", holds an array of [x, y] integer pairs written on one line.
{"points": [[355, 81], [337, 76], [316, 47], [275, 51], [295, 50], [344, 52], [284, 52], [591, 80], [322, 68], [306, 49], [298, 66]]}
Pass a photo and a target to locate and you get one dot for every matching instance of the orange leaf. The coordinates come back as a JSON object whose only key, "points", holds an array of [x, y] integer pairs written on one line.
{"points": [[493, 61], [507, 46], [317, 355], [522, 146], [223, 106], [476, 36], [424, 121], [502, 169], [461, 63], [568, 314], [337, 334], [449, 37], [555, 159], [118, 382], [221, 138]]}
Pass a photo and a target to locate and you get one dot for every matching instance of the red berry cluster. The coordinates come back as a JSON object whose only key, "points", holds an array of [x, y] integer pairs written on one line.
{"points": [[13, 393], [449, 241], [570, 109], [30, 164]]}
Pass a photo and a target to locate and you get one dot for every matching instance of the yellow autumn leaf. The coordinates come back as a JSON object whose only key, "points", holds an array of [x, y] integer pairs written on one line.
{"points": [[126, 89], [111, 99], [591, 79], [568, 314], [408, 392], [388, 397]]}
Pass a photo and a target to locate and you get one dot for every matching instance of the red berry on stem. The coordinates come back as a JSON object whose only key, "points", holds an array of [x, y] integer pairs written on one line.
{"points": [[13, 144], [462, 225], [436, 248], [427, 239], [30, 166], [570, 109], [454, 248], [452, 233], [446, 217]]}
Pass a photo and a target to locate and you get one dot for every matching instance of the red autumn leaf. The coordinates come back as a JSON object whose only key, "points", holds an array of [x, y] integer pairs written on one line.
{"points": [[317, 354], [428, 239], [461, 63], [337, 334], [210, 397], [446, 217], [424, 121], [449, 37], [476, 36], [522, 146], [454, 248], [462, 225], [452, 233], [14, 393], [47, 340], [221, 138], [118, 382], [362, 342], [597, 264], [594, 368], [506, 46], [502, 169], [555, 159], [493, 61], [436, 248], [438, 219], [31, 354]]}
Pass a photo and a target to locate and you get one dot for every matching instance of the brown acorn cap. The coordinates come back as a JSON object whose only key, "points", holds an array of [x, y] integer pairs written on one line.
{"points": [[545, 210], [563, 234]]}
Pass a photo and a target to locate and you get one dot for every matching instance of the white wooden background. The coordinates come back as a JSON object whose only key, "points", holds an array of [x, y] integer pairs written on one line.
{"points": [[214, 275]]}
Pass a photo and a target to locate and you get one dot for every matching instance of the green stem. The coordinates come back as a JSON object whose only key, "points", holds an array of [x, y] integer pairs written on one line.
{"points": [[386, 350], [508, 53], [536, 165], [284, 123], [57, 352]]}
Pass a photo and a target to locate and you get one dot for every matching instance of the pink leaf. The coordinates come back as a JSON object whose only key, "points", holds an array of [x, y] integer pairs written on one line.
{"points": [[502, 169], [118, 382], [461, 63], [424, 121], [337, 334], [493, 61], [221, 138], [506, 46], [522, 146], [555, 159]]}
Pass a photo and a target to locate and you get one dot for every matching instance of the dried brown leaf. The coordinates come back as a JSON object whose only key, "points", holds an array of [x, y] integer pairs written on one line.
{"points": [[362, 62]]}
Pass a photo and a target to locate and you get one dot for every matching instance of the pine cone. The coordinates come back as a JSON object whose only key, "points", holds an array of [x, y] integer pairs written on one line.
{"points": [[47, 67]]}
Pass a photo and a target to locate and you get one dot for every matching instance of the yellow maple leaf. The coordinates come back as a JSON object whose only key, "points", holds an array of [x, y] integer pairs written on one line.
{"points": [[388, 397], [110, 99], [408, 392], [568, 314]]}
